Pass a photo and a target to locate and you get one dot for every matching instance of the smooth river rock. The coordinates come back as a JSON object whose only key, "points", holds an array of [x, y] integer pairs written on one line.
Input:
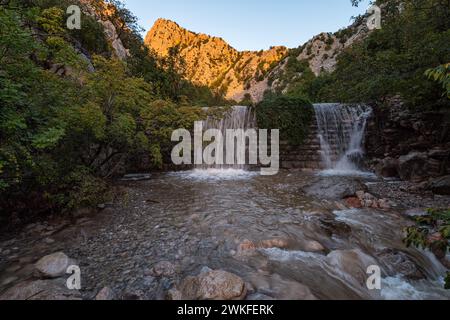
{"points": [[54, 265], [212, 285], [41, 290]]}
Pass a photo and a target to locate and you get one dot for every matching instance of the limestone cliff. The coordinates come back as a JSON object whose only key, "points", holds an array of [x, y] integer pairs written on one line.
{"points": [[321, 53], [106, 14], [211, 61]]}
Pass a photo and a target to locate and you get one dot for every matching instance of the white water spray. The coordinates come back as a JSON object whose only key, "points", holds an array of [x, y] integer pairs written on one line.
{"points": [[239, 117], [341, 131]]}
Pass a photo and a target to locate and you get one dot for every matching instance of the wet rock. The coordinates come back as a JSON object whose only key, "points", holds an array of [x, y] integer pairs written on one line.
{"points": [[333, 227], [163, 269], [416, 212], [335, 188], [54, 265], [281, 288], [351, 264], [340, 206], [105, 294], [40, 290], [413, 166], [396, 262], [437, 245], [136, 177], [8, 280], [212, 285], [367, 200], [440, 186], [387, 168], [313, 246]]}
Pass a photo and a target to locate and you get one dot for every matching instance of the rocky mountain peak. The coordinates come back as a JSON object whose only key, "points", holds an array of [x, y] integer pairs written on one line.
{"points": [[211, 61]]}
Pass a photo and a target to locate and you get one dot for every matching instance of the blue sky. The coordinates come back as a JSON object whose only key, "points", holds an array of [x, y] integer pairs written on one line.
{"points": [[251, 24]]}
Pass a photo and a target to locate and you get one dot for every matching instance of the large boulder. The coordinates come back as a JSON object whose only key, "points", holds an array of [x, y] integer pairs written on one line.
{"points": [[440, 186], [387, 168], [210, 285], [54, 265], [351, 265], [413, 167], [41, 290], [335, 188]]}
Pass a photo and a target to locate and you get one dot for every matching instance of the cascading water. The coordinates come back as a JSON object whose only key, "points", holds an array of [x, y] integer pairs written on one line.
{"points": [[341, 130], [238, 117]]}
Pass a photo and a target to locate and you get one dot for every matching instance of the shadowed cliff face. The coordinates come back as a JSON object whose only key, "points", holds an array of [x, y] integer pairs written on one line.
{"points": [[211, 61]]}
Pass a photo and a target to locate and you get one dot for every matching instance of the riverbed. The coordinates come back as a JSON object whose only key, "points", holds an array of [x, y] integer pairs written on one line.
{"points": [[287, 236]]}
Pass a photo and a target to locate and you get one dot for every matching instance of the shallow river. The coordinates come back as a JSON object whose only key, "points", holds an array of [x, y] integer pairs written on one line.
{"points": [[196, 219]]}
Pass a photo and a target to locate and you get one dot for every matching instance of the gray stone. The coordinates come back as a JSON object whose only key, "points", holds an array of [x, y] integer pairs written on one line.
{"points": [[335, 188], [259, 297], [40, 290], [313, 246], [440, 186], [352, 263], [8, 280], [387, 168], [54, 265], [413, 166]]}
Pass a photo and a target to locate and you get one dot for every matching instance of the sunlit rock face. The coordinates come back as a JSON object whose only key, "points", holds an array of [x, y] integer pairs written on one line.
{"points": [[212, 62]]}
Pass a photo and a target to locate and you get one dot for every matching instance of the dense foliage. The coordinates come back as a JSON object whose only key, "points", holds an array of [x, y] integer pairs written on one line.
{"points": [[431, 232], [292, 115], [414, 38], [73, 115]]}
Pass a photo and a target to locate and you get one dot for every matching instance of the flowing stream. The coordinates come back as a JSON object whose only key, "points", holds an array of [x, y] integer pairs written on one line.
{"points": [[304, 241]]}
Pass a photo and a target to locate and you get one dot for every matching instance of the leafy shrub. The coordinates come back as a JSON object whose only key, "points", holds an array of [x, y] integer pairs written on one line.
{"points": [[292, 115], [431, 232]]}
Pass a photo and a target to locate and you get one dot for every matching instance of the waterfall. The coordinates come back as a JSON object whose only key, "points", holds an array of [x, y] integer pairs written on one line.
{"points": [[238, 117], [341, 131]]}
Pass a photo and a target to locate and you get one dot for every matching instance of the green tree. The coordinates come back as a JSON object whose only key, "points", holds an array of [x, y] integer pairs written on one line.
{"points": [[292, 115], [441, 74]]}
